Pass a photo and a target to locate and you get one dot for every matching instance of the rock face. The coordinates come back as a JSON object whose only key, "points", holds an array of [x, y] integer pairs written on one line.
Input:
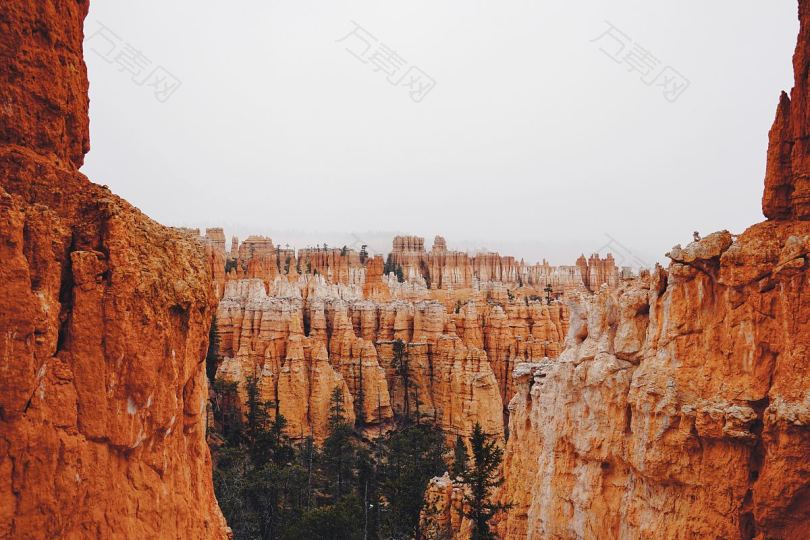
{"points": [[326, 336], [787, 178], [679, 407], [466, 332], [104, 316], [452, 270], [441, 515]]}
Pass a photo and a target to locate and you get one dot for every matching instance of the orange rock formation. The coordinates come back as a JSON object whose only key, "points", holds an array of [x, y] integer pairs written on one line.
{"points": [[679, 407], [104, 316], [350, 343], [339, 299], [787, 179]]}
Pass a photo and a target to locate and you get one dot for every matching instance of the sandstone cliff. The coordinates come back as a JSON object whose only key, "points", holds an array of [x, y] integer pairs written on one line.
{"points": [[332, 337], [679, 407], [787, 179], [104, 318], [466, 332]]}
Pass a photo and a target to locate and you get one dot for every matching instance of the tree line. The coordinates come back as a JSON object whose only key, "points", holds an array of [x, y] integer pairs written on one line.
{"points": [[270, 487]]}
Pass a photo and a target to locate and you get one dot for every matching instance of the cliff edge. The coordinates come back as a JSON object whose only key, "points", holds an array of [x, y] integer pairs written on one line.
{"points": [[104, 318]]}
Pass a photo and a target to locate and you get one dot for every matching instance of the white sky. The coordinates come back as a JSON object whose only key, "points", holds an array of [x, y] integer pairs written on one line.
{"points": [[533, 142]]}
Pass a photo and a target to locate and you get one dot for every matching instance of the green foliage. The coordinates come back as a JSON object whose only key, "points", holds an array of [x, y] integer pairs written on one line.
{"points": [[341, 521], [363, 253], [213, 348], [344, 251], [230, 264], [460, 458], [227, 416], [339, 451], [511, 295], [482, 477], [270, 489], [400, 274], [413, 455], [401, 365]]}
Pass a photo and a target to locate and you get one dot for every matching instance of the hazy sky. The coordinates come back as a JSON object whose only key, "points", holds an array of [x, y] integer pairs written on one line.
{"points": [[533, 127]]}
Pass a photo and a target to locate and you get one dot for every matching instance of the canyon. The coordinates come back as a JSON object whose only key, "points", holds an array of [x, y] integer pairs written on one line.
{"points": [[669, 404], [302, 323]]}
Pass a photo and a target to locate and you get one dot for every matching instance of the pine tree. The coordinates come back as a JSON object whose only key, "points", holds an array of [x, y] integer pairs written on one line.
{"points": [[412, 456], [400, 363], [481, 479], [460, 458], [213, 348], [338, 450]]}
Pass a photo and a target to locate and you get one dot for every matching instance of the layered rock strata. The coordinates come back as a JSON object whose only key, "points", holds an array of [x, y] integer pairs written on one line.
{"points": [[678, 407], [441, 373], [787, 178], [104, 316]]}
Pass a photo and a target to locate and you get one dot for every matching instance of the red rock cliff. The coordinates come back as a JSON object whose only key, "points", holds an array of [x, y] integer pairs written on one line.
{"points": [[787, 178], [104, 319], [679, 407]]}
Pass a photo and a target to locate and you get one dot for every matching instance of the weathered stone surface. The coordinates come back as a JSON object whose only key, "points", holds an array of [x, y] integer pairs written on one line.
{"points": [[787, 177], [104, 316], [441, 516], [678, 407], [450, 379]]}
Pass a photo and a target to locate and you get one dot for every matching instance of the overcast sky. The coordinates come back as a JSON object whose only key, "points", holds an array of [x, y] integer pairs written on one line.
{"points": [[538, 128]]}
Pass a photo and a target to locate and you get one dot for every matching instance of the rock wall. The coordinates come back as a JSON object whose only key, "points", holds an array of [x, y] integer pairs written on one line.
{"points": [[787, 178], [679, 407], [339, 298], [334, 337], [104, 319]]}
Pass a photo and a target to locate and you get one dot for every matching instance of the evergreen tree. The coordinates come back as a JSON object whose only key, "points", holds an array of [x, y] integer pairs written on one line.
{"points": [[213, 348], [481, 479], [227, 414], [412, 456], [338, 449], [341, 521], [230, 478], [460, 458], [402, 369], [363, 254], [400, 274]]}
